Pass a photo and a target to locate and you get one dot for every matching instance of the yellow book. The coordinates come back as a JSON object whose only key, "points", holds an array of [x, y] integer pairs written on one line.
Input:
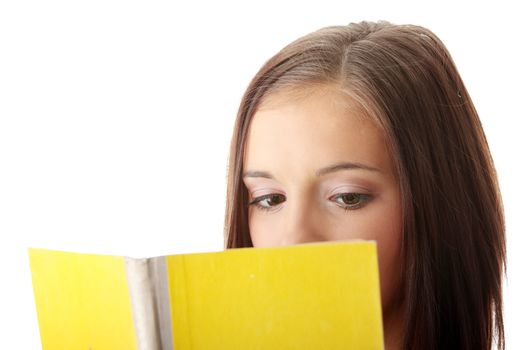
{"points": [[309, 296]]}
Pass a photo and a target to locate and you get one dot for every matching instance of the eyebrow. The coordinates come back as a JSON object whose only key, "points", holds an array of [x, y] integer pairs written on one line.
{"points": [[320, 172]]}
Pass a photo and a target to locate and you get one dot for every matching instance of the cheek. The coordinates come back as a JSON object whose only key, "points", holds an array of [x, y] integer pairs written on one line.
{"points": [[382, 223], [389, 230], [389, 256], [263, 230]]}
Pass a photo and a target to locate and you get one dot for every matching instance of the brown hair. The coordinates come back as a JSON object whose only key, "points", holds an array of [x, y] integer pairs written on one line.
{"points": [[453, 241]]}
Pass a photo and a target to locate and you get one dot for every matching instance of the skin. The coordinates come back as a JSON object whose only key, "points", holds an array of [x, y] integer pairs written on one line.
{"points": [[294, 135]]}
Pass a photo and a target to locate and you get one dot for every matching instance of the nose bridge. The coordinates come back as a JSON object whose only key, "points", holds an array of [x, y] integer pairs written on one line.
{"points": [[302, 222]]}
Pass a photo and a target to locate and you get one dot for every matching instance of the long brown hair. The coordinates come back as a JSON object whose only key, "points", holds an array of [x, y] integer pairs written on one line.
{"points": [[453, 241]]}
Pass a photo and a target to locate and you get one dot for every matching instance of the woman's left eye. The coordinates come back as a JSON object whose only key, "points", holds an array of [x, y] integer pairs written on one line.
{"points": [[351, 201]]}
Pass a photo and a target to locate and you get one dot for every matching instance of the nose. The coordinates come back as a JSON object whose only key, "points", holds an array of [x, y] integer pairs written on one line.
{"points": [[302, 224]]}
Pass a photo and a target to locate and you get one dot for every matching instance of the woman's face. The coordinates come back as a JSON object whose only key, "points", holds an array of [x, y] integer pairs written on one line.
{"points": [[316, 170]]}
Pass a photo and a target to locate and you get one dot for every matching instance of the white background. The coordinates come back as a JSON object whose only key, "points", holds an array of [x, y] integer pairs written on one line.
{"points": [[116, 118]]}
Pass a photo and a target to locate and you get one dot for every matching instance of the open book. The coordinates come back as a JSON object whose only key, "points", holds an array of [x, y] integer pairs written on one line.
{"points": [[308, 296]]}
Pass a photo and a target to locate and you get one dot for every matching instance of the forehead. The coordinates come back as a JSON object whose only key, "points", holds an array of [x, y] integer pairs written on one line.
{"points": [[304, 131]]}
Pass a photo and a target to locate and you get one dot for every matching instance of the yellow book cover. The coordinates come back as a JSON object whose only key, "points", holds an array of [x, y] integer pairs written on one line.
{"points": [[309, 296]]}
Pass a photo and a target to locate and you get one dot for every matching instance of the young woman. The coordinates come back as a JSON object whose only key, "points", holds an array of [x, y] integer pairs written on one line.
{"points": [[367, 131]]}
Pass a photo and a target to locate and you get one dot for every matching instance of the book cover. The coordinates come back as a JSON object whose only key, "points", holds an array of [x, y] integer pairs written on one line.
{"points": [[309, 296]]}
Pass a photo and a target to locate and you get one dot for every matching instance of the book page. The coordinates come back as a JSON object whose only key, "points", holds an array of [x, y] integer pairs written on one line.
{"points": [[82, 301], [310, 296]]}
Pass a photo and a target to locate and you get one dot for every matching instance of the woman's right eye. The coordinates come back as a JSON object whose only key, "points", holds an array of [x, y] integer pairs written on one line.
{"points": [[268, 201]]}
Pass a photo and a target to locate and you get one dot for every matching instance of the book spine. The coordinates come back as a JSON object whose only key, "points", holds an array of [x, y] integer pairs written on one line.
{"points": [[149, 294]]}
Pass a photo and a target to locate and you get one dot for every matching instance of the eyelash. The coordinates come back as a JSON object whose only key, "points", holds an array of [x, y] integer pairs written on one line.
{"points": [[364, 198]]}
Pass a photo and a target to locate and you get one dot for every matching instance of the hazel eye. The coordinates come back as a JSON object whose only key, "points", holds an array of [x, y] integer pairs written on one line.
{"points": [[269, 200], [351, 201]]}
